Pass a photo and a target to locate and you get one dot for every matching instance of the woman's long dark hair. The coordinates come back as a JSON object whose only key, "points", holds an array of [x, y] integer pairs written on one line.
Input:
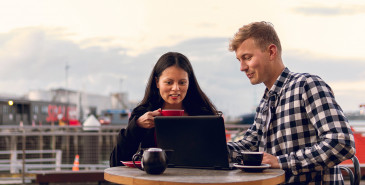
{"points": [[195, 101]]}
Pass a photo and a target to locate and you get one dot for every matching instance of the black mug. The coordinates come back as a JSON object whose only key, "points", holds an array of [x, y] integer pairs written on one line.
{"points": [[154, 160], [250, 158]]}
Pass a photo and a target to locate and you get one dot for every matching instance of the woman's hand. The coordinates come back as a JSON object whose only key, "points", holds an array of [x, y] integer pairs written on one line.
{"points": [[147, 119], [270, 159]]}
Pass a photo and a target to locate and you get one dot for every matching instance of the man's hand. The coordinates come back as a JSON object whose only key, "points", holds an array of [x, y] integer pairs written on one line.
{"points": [[147, 119], [270, 159]]}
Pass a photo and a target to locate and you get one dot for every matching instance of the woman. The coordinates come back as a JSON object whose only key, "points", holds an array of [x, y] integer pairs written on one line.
{"points": [[172, 85]]}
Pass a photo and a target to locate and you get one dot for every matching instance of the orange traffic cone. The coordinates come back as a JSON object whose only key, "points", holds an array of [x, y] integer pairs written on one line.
{"points": [[76, 163]]}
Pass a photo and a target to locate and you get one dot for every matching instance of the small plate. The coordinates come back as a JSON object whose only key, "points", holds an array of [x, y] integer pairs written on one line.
{"points": [[130, 163], [252, 168]]}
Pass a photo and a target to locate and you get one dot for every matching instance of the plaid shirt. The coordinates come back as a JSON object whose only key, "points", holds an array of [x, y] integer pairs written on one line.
{"points": [[308, 132]]}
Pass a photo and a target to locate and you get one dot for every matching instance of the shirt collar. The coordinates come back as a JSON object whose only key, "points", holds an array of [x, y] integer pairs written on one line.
{"points": [[279, 83]]}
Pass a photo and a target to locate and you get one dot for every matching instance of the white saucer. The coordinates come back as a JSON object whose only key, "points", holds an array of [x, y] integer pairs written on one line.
{"points": [[252, 168]]}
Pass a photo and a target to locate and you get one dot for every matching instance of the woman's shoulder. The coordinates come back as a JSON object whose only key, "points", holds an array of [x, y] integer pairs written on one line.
{"points": [[141, 109]]}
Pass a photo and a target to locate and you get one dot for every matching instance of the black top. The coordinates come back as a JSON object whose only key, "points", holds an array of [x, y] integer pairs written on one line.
{"points": [[129, 138]]}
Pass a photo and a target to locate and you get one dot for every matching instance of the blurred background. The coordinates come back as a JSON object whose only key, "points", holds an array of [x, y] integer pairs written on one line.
{"points": [[105, 47], [70, 64]]}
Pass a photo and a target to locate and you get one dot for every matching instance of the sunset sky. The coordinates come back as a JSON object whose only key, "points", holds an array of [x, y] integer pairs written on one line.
{"points": [[111, 45]]}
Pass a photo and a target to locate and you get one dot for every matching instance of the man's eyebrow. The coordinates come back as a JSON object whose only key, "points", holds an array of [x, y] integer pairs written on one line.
{"points": [[243, 54]]}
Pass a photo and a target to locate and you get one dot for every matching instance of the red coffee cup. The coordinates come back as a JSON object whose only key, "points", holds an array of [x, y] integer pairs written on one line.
{"points": [[172, 112]]}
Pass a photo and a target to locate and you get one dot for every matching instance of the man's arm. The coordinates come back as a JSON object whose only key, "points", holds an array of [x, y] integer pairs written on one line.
{"points": [[249, 142], [336, 141]]}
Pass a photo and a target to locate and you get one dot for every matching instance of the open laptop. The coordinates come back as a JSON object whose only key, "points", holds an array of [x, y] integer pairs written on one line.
{"points": [[195, 141]]}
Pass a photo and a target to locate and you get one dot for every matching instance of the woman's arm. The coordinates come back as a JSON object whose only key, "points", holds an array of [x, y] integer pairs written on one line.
{"points": [[127, 143]]}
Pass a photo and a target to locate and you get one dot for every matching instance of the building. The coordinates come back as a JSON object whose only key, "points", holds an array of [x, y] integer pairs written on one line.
{"points": [[19, 111], [72, 107]]}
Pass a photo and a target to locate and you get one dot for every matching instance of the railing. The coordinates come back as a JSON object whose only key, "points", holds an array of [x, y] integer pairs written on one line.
{"points": [[36, 143], [50, 159], [27, 150], [93, 146]]}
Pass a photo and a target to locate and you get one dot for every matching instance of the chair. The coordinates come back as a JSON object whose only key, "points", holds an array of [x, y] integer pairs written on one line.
{"points": [[355, 176]]}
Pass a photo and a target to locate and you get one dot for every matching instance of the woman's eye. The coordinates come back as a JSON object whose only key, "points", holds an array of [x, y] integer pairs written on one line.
{"points": [[183, 82]]}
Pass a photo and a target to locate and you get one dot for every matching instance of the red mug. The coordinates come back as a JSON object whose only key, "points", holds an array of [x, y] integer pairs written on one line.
{"points": [[172, 112]]}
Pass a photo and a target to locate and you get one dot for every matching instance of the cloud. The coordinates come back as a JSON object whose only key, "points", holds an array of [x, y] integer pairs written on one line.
{"points": [[325, 10], [353, 85], [330, 69], [39, 56], [206, 25], [35, 58]]}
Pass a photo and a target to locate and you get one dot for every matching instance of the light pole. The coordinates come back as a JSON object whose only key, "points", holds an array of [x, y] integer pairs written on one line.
{"points": [[67, 95]]}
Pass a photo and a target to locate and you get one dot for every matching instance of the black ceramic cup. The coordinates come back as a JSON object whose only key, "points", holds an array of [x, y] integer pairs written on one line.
{"points": [[252, 158], [154, 160]]}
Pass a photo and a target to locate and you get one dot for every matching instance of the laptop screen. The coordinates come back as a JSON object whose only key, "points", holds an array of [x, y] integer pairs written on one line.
{"points": [[195, 141]]}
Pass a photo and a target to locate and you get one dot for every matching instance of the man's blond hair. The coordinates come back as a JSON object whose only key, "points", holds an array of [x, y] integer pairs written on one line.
{"points": [[263, 33]]}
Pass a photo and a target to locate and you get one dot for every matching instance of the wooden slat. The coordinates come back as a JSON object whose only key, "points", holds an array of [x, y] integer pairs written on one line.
{"points": [[61, 177]]}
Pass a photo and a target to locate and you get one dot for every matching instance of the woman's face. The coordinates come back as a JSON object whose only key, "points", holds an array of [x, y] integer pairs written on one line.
{"points": [[173, 85]]}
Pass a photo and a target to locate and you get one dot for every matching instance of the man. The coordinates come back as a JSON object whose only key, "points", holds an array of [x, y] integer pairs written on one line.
{"points": [[298, 125]]}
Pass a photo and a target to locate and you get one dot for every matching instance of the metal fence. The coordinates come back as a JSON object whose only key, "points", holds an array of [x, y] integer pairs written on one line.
{"points": [[30, 149], [27, 150]]}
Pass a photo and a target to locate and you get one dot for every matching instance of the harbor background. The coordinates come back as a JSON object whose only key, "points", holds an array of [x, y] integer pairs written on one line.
{"points": [[83, 148], [108, 47], [67, 63]]}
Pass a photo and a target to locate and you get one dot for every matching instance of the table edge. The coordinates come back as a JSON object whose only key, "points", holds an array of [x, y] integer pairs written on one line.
{"points": [[132, 181]]}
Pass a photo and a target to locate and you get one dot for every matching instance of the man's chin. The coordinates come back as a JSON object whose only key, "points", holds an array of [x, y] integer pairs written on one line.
{"points": [[254, 82]]}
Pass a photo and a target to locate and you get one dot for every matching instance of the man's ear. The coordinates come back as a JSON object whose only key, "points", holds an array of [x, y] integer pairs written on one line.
{"points": [[156, 79], [273, 51]]}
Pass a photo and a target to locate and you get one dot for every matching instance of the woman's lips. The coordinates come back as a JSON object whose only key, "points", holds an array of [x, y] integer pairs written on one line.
{"points": [[174, 96]]}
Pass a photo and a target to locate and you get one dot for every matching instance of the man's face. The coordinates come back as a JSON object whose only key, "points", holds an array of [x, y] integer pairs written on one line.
{"points": [[254, 62]]}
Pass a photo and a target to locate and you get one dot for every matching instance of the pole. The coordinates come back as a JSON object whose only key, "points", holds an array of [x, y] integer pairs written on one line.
{"points": [[67, 94], [66, 116], [23, 157], [23, 146], [120, 84]]}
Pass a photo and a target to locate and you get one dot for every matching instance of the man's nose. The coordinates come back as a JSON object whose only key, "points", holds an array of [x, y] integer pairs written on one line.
{"points": [[243, 66]]}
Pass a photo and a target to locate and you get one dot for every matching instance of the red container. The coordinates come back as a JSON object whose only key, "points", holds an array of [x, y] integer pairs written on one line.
{"points": [[172, 112], [130, 163]]}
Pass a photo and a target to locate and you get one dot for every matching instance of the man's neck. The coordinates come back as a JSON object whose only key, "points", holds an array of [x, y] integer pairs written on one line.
{"points": [[277, 70]]}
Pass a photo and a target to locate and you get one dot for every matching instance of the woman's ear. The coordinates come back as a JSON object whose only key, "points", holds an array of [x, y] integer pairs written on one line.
{"points": [[156, 80]]}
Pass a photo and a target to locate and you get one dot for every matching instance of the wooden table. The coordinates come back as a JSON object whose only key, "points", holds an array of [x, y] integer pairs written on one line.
{"points": [[46, 177], [184, 176]]}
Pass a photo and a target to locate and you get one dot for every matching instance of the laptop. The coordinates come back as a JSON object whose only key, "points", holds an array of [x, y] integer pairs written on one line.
{"points": [[195, 141]]}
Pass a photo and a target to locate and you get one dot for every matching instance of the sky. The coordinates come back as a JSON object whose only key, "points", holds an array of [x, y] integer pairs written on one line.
{"points": [[112, 45]]}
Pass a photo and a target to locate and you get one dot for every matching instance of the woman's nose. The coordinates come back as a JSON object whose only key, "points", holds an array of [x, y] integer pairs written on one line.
{"points": [[175, 86]]}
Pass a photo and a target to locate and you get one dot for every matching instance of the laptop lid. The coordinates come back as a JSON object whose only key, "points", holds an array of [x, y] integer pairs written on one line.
{"points": [[196, 141]]}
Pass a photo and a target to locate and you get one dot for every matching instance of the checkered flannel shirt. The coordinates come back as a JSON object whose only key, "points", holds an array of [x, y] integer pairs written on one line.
{"points": [[308, 132]]}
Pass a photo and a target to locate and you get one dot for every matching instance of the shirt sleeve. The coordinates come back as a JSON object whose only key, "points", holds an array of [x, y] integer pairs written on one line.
{"points": [[249, 142], [128, 141], [336, 141]]}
